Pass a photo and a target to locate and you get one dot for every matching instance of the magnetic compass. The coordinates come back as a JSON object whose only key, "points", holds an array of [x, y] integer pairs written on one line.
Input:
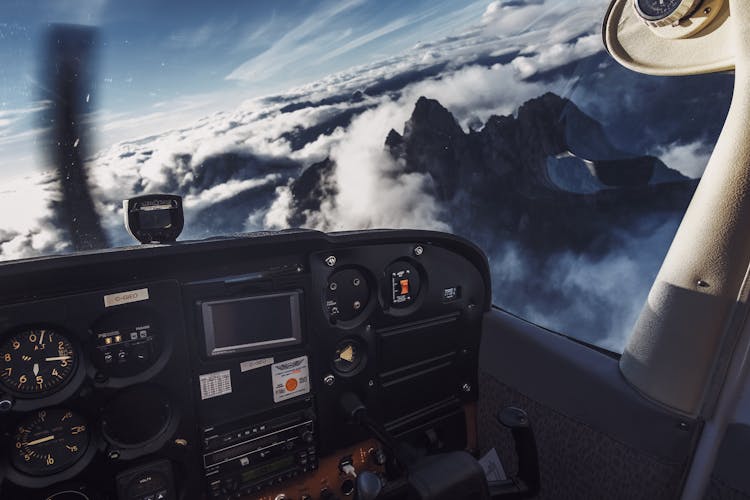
{"points": [[664, 12]]}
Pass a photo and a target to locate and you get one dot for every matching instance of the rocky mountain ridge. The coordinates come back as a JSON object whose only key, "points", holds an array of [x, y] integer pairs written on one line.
{"points": [[548, 175]]}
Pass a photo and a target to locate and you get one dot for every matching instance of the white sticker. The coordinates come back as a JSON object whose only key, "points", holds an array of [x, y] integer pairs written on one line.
{"points": [[116, 299], [246, 366], [215, 384], [290, 378]]}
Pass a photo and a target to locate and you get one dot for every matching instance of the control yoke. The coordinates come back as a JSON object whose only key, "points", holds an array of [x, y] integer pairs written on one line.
{"points": [[446, 476]]}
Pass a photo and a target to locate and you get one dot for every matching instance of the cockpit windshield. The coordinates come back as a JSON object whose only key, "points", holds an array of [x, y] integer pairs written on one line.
{"points": [[505, 122]]}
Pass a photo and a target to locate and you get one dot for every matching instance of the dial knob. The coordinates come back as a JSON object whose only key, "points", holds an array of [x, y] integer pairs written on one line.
{"points": [[307, 436], [659, 13]]}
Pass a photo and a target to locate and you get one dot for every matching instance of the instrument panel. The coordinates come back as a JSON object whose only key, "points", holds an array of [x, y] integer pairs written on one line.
{"points": [[215, 369]]}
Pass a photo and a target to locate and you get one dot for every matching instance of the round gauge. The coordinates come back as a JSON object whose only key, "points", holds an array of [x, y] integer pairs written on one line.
{"points": [[667, 11], [348, 357], [49, 441], [36, 362]]}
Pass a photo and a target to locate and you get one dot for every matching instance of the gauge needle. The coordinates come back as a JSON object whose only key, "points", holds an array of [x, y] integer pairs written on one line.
{"points": [[58, 358], [41, 440], [36, 369]]}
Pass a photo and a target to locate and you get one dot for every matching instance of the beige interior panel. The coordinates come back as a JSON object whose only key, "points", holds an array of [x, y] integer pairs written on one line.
{"points": [[684, 327], [638, 47]]}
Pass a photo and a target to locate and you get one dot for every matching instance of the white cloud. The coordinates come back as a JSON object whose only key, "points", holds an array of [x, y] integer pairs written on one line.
{"points": [[559, 54], [26, 229], [543, 20], [689, 159], [209, 34], [296, 46]]}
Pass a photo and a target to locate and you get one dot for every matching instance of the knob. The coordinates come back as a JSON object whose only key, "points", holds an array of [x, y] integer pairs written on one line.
{"points": [[308, 436], [377, 455], [368, 486], [6, 404]]}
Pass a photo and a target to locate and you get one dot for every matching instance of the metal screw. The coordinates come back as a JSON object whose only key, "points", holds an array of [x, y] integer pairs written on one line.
{"points": [[418, 250], [368, 328], [707, 10], [6, 405], [300, 268], [114, 455], [357, 305], [180, 442], [703, 284], [333, 286], [683, 426], [466, 387], [356, 282], [371, 383], [329, 380], [331, 260]]}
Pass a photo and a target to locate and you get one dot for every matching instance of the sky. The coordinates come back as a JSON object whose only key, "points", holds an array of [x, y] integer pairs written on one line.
{"points": [[164, 62]]}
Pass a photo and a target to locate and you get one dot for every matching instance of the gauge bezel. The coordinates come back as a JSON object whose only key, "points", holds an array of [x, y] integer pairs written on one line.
{"points": [[24, 402], [684, 9], [361, 347], [25, 480], [128, 451], [165, 343], [366, 312], [385, 285]]}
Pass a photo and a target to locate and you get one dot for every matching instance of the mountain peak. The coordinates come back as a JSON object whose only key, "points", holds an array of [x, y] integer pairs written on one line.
{"points": [[431, 116]]}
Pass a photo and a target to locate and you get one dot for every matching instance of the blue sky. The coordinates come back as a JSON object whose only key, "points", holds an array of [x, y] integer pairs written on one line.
{"points": [[162, 62]]}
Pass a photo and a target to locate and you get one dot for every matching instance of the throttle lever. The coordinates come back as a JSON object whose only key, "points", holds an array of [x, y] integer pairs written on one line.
{"points": [[526, 483]]}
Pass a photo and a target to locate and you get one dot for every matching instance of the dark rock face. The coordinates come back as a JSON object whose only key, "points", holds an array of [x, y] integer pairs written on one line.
{"points": [[549, 177], [548, 126], [309, 190]]}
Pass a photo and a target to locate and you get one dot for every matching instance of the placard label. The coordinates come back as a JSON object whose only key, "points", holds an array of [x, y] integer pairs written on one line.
{"points": [[246, 366], [290, 378], [116, 299], [215, 384]]}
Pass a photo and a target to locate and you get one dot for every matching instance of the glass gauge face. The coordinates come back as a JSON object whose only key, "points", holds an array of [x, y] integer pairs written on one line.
{"points": [[36, 362], [49, 441], [657, 9]]}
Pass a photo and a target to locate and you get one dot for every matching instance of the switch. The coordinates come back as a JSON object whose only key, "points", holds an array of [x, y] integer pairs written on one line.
{"points": [[404, 287], [141, 353]]}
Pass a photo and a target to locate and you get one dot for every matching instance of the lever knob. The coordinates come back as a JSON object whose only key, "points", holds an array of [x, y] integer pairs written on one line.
{"points": [[368, 486]]}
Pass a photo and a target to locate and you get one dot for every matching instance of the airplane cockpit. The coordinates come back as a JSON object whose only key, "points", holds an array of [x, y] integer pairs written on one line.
{"points": [[299, 364]]}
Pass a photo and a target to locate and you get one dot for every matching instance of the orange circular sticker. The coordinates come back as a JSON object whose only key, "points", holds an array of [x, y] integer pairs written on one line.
{"points": [[291, 384]]}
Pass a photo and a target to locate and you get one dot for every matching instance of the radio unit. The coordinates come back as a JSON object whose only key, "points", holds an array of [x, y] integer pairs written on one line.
{"points": [[247, 456]]}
